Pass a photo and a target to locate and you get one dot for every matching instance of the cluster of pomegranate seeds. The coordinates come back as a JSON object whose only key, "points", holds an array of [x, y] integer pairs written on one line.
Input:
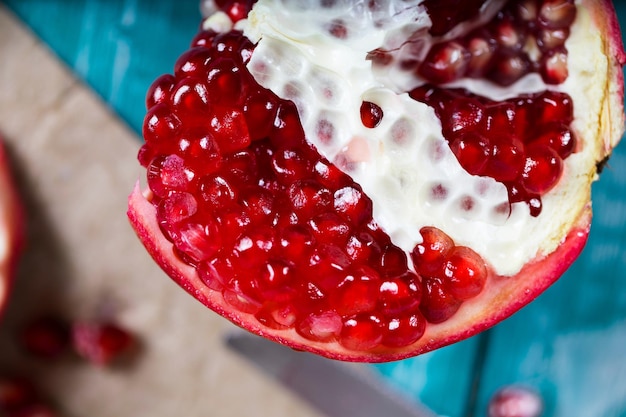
{"points": [[525, 36], [520, 142], [280, 232], [450, 274]]}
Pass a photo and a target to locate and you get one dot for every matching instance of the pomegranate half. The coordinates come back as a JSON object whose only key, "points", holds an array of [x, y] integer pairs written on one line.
{"points": [[371, 180], [11, 228]]}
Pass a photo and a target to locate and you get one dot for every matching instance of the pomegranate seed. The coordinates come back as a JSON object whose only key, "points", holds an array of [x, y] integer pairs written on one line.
{"points": [[160, 123], [465, 273], [277, 315], [371, 114], [558, 137], [557, 14], [329, 227], [357, 294], [192, 63], [514, 401], [353, 204], [554, 67], [481, 52], [101, 342], [322, 327], [506, 159], [361, 333], [403, 331], [428, 256], [508, 67], [400, 296], [437, 304], [553, 106], [46, 337], [167, 174], [463, 115], [542, 169], [445, 62], [472, 151], [549, 39], [160, 90]]}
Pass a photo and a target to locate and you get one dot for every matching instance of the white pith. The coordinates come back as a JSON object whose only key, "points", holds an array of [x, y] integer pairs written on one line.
{"points": [[400, 161]]}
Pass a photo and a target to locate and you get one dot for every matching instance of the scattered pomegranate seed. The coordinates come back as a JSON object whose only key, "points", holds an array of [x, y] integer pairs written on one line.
{"points": [[46, 337], [515, 401], [101, 343], [371, 114]]}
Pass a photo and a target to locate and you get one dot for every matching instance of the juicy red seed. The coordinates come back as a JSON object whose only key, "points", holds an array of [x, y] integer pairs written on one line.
{"points": [[542, 169], [101, 342], [277, 315], [506, 159], [400, 296], [287, 131], [260, 111], [447, 14], [554, 67], [393, 261], [230, 130], [428, 256], [290, 165], [353, 204], [437, 304], [553, 106], [175, 208], [444, 63], [463, 115], [404, 331], [224, 82], [481, 52], [329, 227], [160, 90], [508, 67], [322, 327], [45, 337], [472, 151], [361, 333], [465, 273], [236, 9], [199, 241], [203, 38], [371, 114], [515, 401], [309, 198], [557, 14], [167, 174], [192, 63], [358, 293], [296, 242], [160, 124], [217, 190], [557, 136]]}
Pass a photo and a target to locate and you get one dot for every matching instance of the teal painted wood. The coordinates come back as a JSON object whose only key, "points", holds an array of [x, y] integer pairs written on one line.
{"points": [[116, 47], [570, 344]]}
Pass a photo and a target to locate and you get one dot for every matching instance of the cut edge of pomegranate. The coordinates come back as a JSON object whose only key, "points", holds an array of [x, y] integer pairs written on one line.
{"points": [[504, 295], [13, 219]]}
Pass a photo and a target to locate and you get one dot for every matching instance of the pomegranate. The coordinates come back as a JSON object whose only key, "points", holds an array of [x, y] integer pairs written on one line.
{"points": [[11, 227], [371, 180]]}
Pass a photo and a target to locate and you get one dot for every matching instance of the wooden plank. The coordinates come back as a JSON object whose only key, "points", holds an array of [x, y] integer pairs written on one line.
{"points": [[75, 165]]}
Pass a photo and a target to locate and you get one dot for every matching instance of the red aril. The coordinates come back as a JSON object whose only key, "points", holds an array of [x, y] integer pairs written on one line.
{"points": [[11, 227], [372, 186]]}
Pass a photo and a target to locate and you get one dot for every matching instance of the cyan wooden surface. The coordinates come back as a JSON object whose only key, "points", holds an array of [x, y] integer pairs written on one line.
{"points": [[570, 344]]}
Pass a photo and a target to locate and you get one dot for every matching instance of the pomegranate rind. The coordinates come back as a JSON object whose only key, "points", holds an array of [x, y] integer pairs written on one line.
{"points": [[504, 295], [11, 228]]}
